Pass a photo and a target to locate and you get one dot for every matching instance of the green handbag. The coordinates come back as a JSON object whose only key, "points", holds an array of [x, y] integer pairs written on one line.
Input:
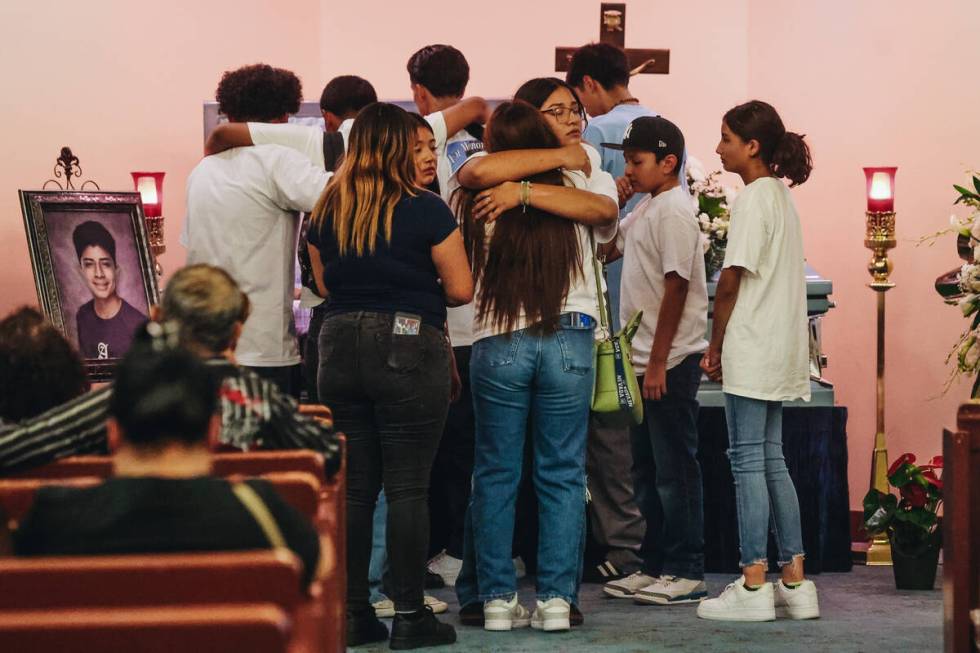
{"points": [[616, 388]]}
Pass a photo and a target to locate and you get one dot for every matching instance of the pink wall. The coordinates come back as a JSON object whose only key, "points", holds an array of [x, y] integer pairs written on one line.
{"points": [[879, 83], [72, 76], [122, 83]]}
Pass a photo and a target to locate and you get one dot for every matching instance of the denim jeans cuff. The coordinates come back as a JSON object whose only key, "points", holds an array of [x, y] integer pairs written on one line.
{"points": [[764, 561], [792, 558], [498, 595]]}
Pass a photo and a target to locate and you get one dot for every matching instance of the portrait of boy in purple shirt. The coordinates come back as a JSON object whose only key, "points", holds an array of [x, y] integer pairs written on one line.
{"points": [[105, 323]]}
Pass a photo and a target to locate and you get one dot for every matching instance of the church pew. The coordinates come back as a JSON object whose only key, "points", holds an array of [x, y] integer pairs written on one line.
{"points": [[298, 489], [252, 463], [227, 628], [961, 529]]}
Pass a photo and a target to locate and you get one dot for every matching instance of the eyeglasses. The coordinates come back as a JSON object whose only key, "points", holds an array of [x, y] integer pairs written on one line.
{"points": [[562, 113]]}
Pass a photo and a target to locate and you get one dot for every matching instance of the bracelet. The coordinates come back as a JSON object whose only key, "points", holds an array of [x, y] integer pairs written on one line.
{"points": [[525, 195]]}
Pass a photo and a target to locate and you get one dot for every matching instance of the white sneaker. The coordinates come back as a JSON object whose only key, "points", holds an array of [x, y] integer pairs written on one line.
{"points": [[447, 567], [499, 614], [798, 603], [672, 590], [385, 608], [520, 571], [551, 615], [739, 604], [625, 588]]}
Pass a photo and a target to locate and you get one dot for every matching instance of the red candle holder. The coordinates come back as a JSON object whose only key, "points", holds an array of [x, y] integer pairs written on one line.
{"points": [[881, 189], [150, 187]]}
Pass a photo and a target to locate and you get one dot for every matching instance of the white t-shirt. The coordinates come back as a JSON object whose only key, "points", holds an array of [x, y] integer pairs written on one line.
{"points": [[302, 138], [458, 318], [241, 216], [582, 294], [766, 349], [661, 235]]}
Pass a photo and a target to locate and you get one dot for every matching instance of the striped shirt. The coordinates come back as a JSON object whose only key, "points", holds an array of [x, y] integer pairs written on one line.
{"points": [[254, 414]]}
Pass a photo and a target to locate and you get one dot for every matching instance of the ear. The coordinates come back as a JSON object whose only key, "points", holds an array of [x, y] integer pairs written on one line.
{"points": [[113, 434], [754, 148], [331, 120], [236, 333], [669, 164]]}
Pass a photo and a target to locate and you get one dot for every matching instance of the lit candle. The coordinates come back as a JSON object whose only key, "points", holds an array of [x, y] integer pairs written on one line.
{"points": [[147, 188], [881, 189], [150, 187]]}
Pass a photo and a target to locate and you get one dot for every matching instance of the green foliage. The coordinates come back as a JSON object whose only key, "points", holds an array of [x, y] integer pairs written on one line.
{"points": [[909, 518]]}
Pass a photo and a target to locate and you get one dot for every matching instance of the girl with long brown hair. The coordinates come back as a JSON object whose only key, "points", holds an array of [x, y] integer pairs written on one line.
{"points": [[391, 257], [536, 309]]}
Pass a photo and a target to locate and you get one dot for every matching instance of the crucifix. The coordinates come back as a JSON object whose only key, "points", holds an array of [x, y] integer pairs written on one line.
{"points": [[612, 30]]}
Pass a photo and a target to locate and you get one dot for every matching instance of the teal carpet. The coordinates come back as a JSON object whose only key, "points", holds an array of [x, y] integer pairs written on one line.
{"points": [[860, 611]]}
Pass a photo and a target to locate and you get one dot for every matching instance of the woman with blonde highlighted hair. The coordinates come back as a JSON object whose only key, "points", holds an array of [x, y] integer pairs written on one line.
{"points": [[390, 257]]}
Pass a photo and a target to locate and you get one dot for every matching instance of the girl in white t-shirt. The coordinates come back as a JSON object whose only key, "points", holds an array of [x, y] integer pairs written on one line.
{"points": [[759, 349], [529, 245]]}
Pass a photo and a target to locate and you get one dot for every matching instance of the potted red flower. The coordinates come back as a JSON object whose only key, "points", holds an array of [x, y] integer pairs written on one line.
{"points": [[910, 520]]}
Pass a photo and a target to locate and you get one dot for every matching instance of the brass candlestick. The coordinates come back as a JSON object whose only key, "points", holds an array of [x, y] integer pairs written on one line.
{"points": [[154, 232], [879, 238]]}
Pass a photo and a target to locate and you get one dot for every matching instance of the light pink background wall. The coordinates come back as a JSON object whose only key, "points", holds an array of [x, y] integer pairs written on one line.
{"points": [[871, 82]]}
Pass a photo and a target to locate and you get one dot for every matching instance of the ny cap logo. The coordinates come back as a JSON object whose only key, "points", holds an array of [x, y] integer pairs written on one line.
{"points": [[629, 128]]}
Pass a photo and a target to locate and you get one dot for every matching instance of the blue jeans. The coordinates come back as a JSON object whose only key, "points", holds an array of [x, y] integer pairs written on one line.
{"points": [[549, 378], [378, 567], [667, 476], [764, 492]]}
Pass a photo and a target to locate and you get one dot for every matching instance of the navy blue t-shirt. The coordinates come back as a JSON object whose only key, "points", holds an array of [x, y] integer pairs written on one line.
{"points": [[399, 276]]}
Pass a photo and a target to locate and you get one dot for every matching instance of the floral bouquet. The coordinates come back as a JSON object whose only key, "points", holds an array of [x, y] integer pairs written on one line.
{"points": [[963, 286], [711, 202]]}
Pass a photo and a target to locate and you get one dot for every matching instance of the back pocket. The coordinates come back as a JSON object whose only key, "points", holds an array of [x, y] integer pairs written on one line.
{"points": [[400, 353]]}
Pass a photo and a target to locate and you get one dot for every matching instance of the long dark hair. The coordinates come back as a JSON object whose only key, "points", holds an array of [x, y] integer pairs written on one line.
{"points": [[536, 91], [529, 259], [785, 152]]}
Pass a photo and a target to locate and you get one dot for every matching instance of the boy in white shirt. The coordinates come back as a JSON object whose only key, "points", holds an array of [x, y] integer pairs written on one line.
{"points": [[664, 276]]}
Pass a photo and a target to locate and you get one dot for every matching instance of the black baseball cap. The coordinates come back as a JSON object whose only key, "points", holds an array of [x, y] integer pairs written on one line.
{"points": [[652, 134]]}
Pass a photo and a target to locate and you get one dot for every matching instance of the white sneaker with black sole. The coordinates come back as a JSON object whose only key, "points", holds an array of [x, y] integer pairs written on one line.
{"points": [[626, 588], [552, 615], [672, 590], [446, 567], [799, 602], [739, 604], [500, 614]]}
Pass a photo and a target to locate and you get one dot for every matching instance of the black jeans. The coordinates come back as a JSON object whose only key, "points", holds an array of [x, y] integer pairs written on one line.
{"points": [[667, 476], [452, 472], [311, 352], [389, 394]]}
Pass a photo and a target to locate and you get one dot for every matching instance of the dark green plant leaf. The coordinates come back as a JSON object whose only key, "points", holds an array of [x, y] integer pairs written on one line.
{"points": [[879, 509], [976, 183], [902, 475]]}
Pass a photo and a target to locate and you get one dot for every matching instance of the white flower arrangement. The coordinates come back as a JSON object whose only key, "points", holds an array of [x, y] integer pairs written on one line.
{"points": [[965, 290], [712, 201]]}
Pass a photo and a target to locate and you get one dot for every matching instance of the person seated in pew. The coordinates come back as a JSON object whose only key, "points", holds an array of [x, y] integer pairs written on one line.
{"points": [[209, 310], [162, 500]]}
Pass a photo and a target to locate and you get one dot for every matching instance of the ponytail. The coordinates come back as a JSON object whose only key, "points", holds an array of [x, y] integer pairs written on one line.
{"points": [[791, 159], [785, 152]]}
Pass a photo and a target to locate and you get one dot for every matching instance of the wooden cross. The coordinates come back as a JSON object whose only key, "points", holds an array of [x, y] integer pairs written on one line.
{"points": [[612, 29]]}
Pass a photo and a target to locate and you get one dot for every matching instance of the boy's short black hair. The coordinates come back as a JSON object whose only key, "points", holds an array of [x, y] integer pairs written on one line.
{"points": [[91, 233], [163, 393], [346, 95], [441, 69], [258, 93], [603, 62]]}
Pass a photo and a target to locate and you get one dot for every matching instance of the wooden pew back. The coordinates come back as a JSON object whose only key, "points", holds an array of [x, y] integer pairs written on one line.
{"points": [[961, 529], [230, 628]]}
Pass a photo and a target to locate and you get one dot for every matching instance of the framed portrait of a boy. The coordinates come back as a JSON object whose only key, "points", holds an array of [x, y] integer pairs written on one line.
{"points": [[93, 269]]}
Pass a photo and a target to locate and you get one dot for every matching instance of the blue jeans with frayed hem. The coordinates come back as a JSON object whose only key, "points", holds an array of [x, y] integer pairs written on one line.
{"points": [[764, 492]]}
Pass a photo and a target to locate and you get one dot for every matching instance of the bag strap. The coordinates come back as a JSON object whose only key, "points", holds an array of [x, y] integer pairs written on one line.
{"points": [[256, 506], [605, 317]]}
